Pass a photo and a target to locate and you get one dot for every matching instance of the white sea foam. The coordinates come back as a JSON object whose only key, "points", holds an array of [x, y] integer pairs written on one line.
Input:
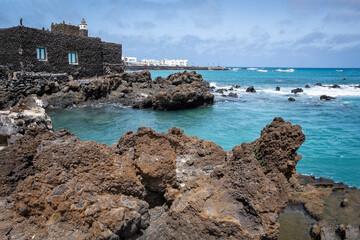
{"points": [[344, 91], [285, 70], [314, 91]]}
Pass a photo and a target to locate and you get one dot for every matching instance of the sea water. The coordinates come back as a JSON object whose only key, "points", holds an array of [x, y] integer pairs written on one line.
{"points": [[332, 128]]}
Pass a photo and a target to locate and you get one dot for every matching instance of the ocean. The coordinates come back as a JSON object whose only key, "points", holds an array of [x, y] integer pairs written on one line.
{"points": [[332, 128]]}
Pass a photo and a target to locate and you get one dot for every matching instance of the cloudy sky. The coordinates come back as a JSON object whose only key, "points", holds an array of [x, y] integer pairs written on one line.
{"points": [[279, 33]]}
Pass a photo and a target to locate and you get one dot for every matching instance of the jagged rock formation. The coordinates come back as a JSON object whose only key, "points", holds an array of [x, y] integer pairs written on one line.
{"points": [[151, 185], [177, 91], [28, 113]]}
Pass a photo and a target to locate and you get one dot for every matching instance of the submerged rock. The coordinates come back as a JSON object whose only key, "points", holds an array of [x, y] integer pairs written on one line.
{"points": [[335, 86], [297, 90], [318, 84], [307, 86], [327, 98], [233, 95], [220, 91], [277, 89], [291, 99], [251, 89]]}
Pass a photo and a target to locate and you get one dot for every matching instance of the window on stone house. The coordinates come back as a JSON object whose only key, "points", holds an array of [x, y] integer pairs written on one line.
{"points": [[73, 58], [41, 53]]}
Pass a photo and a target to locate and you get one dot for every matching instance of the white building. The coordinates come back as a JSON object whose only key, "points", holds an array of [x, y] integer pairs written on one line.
{"points": [[130, 60], [154, 62], [175, 62], [150, 62]]}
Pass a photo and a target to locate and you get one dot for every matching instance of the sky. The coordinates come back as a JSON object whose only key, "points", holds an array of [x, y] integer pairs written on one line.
{"points": [[257, 33]]}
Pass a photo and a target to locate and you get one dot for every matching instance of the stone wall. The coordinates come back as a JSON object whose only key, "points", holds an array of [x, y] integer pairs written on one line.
{"points": [[65, 29], [18, 52], [112, 53]]}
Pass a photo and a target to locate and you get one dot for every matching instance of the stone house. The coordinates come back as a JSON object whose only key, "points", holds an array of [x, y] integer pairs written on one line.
{"points": [[64, 49]]}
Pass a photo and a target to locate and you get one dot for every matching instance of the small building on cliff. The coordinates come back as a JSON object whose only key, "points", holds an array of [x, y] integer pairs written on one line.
{"points": [[64, 49]]}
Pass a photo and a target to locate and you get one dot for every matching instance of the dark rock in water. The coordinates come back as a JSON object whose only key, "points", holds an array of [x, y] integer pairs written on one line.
{"points": [[327, 98], [307, 86], [297, 90], [251, 89], [181, 91], [231, 89], [291, 99], [277, 89], [233, 95], [236, 86], [344, 79], [212, 87], [318, 84], [335, 86], [219, 91], [358, 86]]}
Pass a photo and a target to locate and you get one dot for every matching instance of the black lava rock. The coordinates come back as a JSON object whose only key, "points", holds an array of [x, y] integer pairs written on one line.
{"points": [[251, 89], [326, 98], [297, 90], [291, 99], [233, 95], [277, 89]]}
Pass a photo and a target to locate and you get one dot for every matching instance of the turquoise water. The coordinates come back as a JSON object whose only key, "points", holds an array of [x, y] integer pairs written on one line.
{"points": [[332, 128]]}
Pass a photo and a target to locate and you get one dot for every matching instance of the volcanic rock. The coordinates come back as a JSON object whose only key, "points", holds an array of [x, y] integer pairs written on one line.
{"points": [[307, 86], [181, 91], [220, 91], [251, 89], [297, 90], [335, 86], [291, 99], [277, 89], [28, 113], [151, 185], [251, 207], [233, 95], [326, 98], [318, 84], [177, 91]]}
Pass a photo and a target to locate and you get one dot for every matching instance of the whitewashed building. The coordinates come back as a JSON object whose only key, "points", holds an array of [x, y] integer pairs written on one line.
{"points": [[130, 60], [150, 62], [175, 62]]}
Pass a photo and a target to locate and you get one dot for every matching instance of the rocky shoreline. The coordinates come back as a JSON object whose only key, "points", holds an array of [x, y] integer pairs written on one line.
{"points": [[151, 185], [138, 90]]}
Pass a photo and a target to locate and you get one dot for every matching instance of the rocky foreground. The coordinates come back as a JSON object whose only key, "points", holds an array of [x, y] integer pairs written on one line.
{"points": [[136, 89], [151, 185]]}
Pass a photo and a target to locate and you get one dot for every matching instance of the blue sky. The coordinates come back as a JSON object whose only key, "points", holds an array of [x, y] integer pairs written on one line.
{"points": [[277, 33]]}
